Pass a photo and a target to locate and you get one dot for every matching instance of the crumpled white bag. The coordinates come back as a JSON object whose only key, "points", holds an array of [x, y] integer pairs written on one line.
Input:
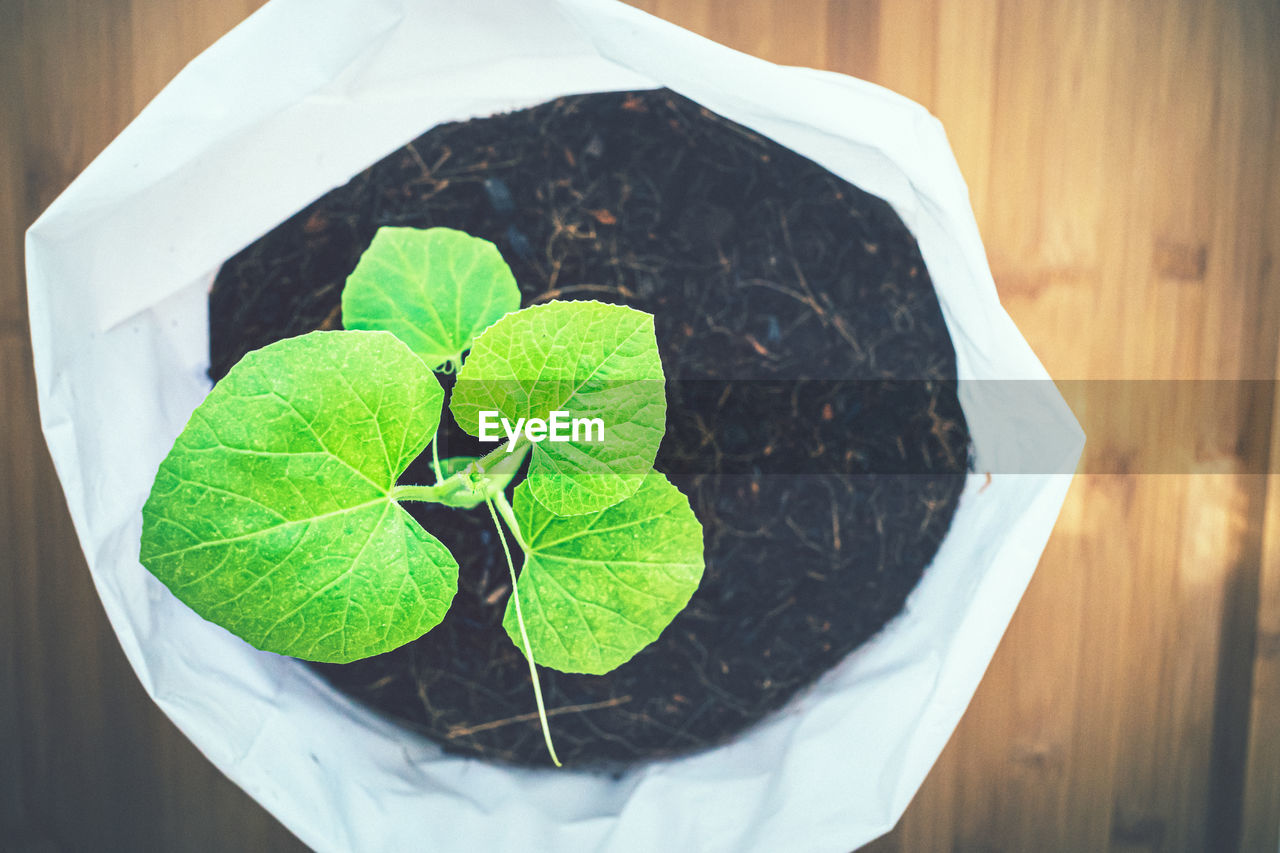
{"points": [[294, 102]]}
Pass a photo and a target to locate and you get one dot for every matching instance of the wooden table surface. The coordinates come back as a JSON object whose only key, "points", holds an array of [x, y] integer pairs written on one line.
{"points": [[1123, 158]]}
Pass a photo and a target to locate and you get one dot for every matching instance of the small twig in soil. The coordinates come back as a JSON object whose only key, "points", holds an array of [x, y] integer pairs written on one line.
{"points": [[781, 607], [464, 731], [417, 158], [556, 293], [795, 265]]}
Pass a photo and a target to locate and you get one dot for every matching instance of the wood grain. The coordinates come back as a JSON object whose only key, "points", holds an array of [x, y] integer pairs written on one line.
{"points": [[12, 184], [1260, 805], [1123, 158], [87, 761], [1260, 813]]}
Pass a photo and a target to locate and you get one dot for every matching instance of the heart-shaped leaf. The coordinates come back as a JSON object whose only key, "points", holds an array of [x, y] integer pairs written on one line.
{"points": [[272, 514], [595, 589], [436, 289], [591, 360]]}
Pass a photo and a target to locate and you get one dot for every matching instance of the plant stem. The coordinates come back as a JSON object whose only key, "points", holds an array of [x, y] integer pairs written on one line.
{"points": [[435, 457], [509, 516], [425, 494], [498, 459], [524, 636], [493, 456]]}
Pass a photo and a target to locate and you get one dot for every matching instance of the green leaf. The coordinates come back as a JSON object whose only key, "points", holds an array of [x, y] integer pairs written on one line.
{"points": [[434, 289], [595, 589], [586, 358], [497, 479], [271, 515]]}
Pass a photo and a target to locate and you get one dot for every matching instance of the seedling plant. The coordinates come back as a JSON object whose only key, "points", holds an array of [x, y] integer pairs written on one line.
{"points": [[278, 512]]}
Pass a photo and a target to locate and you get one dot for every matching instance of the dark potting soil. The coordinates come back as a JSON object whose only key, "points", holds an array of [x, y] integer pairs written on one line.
{"points": [[812, 411]]}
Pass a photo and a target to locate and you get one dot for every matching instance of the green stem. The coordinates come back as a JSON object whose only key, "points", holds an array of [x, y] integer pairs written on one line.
{"points": [[509, 516], [435, 457], [441, 489], [524, 636], [493, 457], [427, 494]]}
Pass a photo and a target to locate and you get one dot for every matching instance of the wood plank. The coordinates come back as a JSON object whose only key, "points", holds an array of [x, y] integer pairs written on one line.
{"points": [[1260, 798], [853, 37], [966, 86], [70, 65], [1161, 787], [16, 558], [155, 61], [1259, 805], [1248, 109], [90, 763], [691, 16], [75, 63], [907, 53], [782, 33], [13, 310], [1128, 702]]}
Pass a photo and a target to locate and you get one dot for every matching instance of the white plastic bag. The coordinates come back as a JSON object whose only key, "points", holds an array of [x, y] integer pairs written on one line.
{"points": [[294, 102]]}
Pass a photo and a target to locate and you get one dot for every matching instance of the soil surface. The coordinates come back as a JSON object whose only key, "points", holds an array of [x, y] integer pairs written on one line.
{"points": [[813, 419]]}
